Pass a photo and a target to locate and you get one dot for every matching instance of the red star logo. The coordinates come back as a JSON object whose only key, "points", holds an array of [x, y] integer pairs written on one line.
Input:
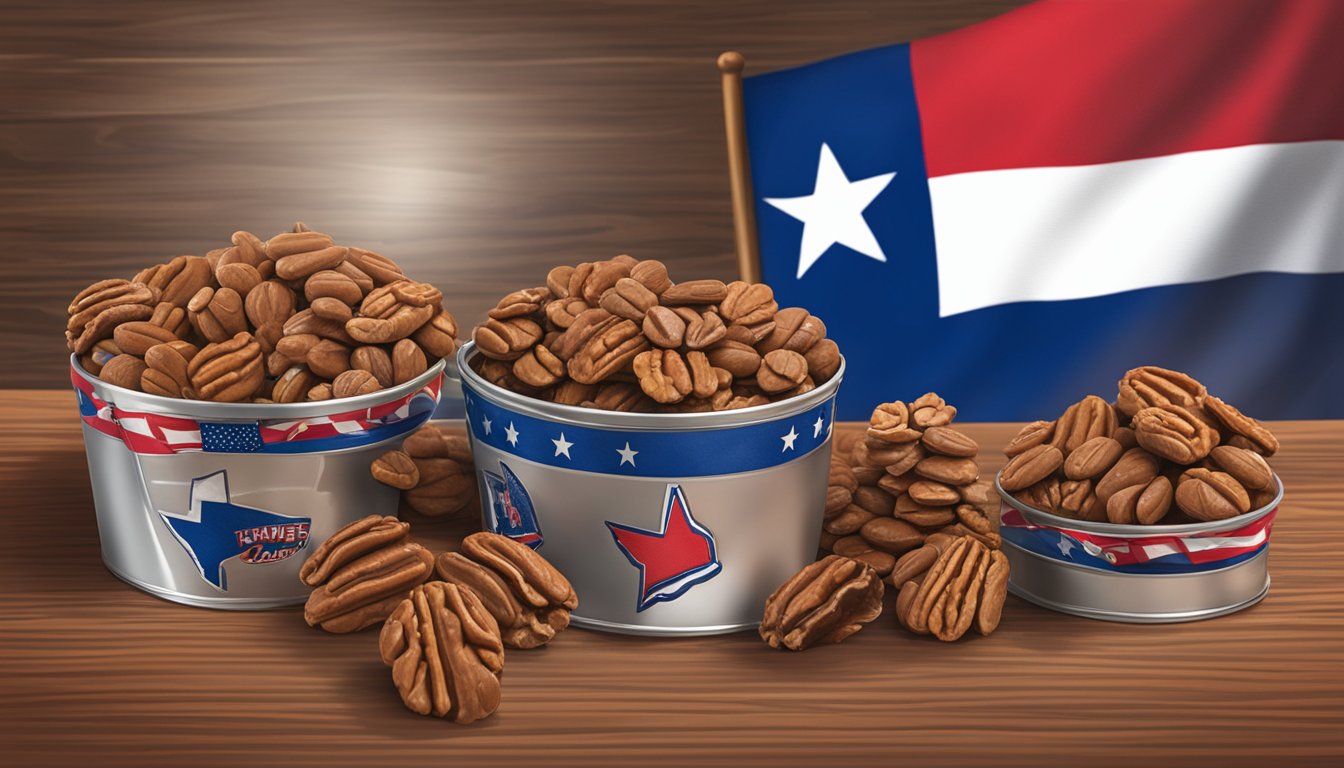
{"points": [[670, 560]]}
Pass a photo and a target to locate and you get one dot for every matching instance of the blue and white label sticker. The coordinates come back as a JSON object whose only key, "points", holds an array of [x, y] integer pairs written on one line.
{"points": [[215, 530], [638, 453]]}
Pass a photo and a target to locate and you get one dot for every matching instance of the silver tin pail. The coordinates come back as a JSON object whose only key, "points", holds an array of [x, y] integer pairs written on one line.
{"points": [[665, 523], [1144, 574], [217, 504]]}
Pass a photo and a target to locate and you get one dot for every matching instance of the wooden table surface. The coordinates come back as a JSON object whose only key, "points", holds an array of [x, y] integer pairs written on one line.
{"points": [[95, 672]]}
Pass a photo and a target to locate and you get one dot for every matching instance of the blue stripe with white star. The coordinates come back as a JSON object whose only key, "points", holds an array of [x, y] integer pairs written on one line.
{"points": [[637, 453]]}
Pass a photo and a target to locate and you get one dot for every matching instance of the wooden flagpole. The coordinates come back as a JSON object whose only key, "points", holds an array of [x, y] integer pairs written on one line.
{"points": [[731, 65]]}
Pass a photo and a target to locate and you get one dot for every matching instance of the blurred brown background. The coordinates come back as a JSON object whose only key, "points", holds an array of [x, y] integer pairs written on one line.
{"points": [[478, 143]]}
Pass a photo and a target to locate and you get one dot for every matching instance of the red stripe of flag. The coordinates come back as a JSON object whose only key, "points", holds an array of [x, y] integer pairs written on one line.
{"points": [[1061, 83]]}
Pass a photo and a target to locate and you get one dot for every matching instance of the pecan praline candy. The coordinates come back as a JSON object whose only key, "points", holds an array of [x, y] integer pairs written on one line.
{"points": [[528, 597], [445, 652], [823, 603]]}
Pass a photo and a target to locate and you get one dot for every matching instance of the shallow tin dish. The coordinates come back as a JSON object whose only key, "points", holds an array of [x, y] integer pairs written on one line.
{"points": [[218, 504], [666, 524], [1147, 574]]}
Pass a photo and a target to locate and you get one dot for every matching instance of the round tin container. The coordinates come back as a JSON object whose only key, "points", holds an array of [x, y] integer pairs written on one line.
{"points": [[666, 524], [1145, 574], [214, 504]]}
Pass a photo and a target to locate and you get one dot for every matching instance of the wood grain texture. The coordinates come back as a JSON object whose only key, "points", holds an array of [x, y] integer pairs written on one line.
{"points": [[96, 673], [478, 142]]}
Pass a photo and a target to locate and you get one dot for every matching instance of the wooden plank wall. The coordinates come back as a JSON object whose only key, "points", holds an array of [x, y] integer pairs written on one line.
{"points": [[478, 142]]}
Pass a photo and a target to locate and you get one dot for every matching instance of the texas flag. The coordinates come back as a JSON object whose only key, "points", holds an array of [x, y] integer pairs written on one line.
{"points": [[1015, 213]]}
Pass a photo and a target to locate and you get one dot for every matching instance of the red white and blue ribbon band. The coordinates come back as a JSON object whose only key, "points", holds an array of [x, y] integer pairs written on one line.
{"points": [[1171, 553], [160, 434], [647, 453]]}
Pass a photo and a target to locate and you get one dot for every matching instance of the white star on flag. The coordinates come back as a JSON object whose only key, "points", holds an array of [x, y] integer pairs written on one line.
{"points": [[1065, 546], [627, 455], [833, 213], [511, 435], [816, 428], [788, 440], [562, 446], [485, 422]]}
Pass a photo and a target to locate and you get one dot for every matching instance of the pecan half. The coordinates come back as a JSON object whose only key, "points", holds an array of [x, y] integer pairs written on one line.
{"points": [[331, 309], [135, 338], [948, 469], [445, 652], [539, 367], [1241, 424], [1150, 385], [238, 276], [1248, 467], [825, 602], [652, 274], [528, 597], [748, 303], [1093, 458], [166, 369], [891, 535], [377, 361], [386, 315], [228, 371], [217, 314], [1207, 495], [180, 279], [438, 337], [1140, 504], [507, 339], [823, 359], [780, 370], [396, 469], [379, 269], [350, 543], [930, 410], [694, 292], [329, 359], [663, 375], [604, 275], [104, 311], [1174, 433], [1088, 418], [271, 303], [890, 422], [703, 329], [1135, 467], [171, 318], [1043, 495], [300, 265], [363, 575], [965, 586], [1033, 434], [739, 359], [629, 298], [293, 385], [354, 383], [123, 371], [332, 284], [949, 442], [1030, 466], [933, 494], [607, 352], [447, 483], [794, 329]]}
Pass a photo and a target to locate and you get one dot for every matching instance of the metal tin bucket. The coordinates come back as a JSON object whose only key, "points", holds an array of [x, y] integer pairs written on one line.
{"points": [[214, 504], [666, 524], [1144, 574]]}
